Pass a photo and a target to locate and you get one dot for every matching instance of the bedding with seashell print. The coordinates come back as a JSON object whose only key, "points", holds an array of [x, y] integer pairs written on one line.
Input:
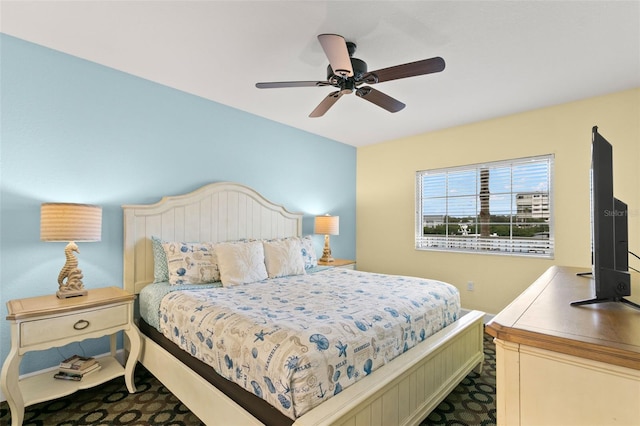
{"points": [[296, 341]]}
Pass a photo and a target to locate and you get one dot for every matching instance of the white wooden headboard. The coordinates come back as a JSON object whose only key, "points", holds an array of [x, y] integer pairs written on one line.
{"points": [[216, 212]]}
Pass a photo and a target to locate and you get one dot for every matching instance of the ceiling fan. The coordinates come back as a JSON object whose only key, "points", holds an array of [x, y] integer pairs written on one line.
{"points": [[348, 74]]}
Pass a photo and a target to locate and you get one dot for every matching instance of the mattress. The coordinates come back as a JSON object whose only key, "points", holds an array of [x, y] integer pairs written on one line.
{"points": [[296, 341]]}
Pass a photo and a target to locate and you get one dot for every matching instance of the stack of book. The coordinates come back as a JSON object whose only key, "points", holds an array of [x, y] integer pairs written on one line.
{"points": [[76, 367]]}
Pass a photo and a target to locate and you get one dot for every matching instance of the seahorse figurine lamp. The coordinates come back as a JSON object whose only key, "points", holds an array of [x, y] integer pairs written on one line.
{"points": [[69, 222]]}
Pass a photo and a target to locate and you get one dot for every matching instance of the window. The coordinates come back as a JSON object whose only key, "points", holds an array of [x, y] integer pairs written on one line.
{"points": [[502, 207]]}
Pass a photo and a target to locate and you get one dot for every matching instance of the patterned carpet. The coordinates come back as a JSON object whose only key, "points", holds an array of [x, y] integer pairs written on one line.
{"points": [[472, 402]]}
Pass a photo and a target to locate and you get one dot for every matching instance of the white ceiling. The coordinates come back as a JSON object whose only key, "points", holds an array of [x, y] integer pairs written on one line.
{"points": [[502, 57]]}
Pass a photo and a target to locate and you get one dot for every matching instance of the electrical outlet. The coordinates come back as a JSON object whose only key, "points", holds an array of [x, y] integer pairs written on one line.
{"points": [[470, 286]]}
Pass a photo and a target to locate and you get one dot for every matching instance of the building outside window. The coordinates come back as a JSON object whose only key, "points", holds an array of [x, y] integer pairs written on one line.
{"points": [[502, 207]]}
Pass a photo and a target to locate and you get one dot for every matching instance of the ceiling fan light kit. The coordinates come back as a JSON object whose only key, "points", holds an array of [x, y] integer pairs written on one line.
{"points": [[348, 74]]}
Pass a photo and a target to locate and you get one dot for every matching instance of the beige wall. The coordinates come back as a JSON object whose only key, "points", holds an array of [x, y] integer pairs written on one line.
{"points": [[386, 192]]}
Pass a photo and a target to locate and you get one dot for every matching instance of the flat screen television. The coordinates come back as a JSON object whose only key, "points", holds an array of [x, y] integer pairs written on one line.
{"points": [[609, 230]]}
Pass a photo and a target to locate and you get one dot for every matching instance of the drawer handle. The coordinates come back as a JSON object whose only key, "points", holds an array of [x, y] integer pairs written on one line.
{"points": [[81, 325]]}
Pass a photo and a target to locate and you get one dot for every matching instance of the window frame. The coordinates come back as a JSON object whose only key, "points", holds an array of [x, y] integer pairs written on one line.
{"points": [[503, 246]]}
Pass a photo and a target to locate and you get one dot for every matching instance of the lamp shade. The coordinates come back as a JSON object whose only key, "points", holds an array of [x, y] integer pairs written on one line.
{"points": [[70, 222], [327, 225]]}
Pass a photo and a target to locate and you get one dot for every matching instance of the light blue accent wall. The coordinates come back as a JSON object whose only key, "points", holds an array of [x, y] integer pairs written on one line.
{"points": [[75, 131]]}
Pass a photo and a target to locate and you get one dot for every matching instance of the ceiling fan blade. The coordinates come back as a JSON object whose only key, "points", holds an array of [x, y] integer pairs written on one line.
{"points": [[378, 98], [412, 69], [326, 103], [279, 84], [335, 47]]}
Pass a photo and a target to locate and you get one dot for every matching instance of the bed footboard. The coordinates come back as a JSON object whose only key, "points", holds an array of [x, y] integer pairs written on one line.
{"points": [[406, 390], [403, 392]]}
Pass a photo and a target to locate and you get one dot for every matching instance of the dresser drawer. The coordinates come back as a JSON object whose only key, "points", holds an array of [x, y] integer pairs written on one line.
{"points": [[72, 325]]}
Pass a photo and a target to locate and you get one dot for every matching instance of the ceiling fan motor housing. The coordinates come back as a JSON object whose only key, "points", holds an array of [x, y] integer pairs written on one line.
{"points": [[359, 69]]}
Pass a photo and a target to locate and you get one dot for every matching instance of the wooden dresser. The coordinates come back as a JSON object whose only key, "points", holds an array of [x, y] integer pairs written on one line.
{"points": [[558, 364]]}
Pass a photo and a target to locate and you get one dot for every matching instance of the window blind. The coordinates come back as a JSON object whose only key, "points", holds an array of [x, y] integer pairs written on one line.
{"points": [[502, 207]]}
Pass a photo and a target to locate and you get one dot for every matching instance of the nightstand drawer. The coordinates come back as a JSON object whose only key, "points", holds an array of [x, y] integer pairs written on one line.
{"points": [[64, 326]]}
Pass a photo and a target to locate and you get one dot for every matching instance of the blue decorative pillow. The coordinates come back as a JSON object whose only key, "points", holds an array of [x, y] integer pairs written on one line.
{"points": [[160, 267], [308, 252], [191, 263]]}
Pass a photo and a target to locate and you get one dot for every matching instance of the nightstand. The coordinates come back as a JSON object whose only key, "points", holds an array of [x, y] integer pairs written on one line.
{"points": [[45, 322], [339, 263]]}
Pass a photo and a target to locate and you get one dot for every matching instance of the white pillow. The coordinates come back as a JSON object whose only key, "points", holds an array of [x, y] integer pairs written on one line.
{"points": [[191, 263], [241, 263], [283, 258]]}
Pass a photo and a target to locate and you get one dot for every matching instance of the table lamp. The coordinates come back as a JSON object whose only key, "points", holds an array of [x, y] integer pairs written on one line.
{"points": [[70, 223], [327, 225]]}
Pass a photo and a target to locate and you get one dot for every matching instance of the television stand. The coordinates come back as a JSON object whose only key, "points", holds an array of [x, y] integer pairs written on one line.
{"points": [[564, 366], [593, 301]]}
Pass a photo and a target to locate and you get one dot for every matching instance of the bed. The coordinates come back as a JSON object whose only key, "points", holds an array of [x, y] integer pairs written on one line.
{"points": [[401, 391]]}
